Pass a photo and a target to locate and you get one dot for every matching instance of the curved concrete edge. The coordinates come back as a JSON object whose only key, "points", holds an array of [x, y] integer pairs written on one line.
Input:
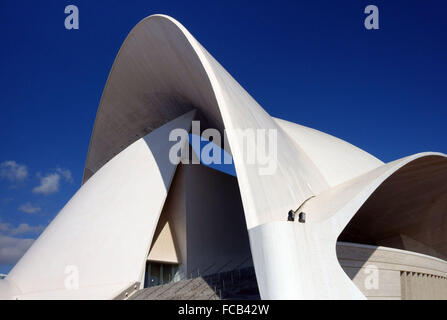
{"points": [[295, 261], [156, 64], [403, 259], [115, 201], [346, 160], [218, 95], [332, 210], [294, 177], [98, 243], [393, 274], [298, 260], [339, 204]]}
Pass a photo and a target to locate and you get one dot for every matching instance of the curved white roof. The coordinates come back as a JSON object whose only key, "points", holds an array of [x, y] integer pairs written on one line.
{"points": [[337, 160], [161, 72], [161, 80]]}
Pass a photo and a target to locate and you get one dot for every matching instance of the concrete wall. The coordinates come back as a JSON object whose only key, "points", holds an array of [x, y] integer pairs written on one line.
{"points": [[387, 273], [407, 211], [169, 242], [202, 226], [417, 286], [162, 71], [98, 243], [217, 237]]}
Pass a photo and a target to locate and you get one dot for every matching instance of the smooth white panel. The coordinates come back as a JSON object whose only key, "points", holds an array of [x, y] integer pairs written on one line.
{"points": [[337, 160], [160, 70], [160, 73], [298, 261], [106, 229]]}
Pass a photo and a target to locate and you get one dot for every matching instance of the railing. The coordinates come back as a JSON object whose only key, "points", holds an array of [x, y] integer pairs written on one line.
{"points": [[220, 277]]}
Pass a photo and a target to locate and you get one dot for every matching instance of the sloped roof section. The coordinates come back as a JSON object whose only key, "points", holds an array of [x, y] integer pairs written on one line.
{"points": [[161, 71]]}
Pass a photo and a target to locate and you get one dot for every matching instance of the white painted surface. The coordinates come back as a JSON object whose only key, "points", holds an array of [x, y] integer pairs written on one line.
{"points": [[106, 229], [162, 70], [160, 73], [180, 62], [337, 160], [7, 289], [297, 261], [309, 249]]}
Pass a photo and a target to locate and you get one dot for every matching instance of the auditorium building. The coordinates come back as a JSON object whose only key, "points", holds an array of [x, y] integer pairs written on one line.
{"points": [[327, 220]]}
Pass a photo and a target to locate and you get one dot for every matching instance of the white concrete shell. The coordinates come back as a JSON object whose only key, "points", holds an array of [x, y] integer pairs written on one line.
{"points": [[313, 244], [103, 234], [160, 74]]}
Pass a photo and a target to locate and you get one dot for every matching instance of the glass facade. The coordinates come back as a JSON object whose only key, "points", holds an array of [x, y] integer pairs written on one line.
{"points": [[159, 273]]}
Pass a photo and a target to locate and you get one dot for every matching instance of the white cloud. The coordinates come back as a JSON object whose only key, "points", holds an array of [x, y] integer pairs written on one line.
{"points": [[66, 174], [23, 228], [12, 249], [48, 184], [29, 208], [13, 171]]}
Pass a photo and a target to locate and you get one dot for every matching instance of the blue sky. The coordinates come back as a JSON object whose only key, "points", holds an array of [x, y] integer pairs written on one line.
{"points": [[311, 62]]}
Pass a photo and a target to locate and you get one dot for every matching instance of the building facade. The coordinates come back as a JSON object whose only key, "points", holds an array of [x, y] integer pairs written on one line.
{"points": [[141, 219]]}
